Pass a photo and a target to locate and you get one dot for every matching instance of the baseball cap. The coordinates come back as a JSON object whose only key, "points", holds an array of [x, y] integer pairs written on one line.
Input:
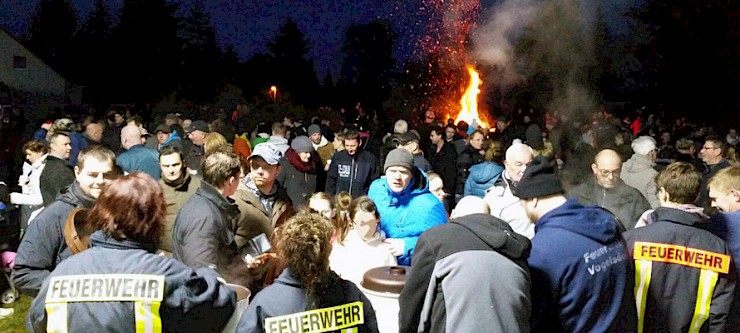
{"points": [[405, 138], [198, 125], [268, 152]]}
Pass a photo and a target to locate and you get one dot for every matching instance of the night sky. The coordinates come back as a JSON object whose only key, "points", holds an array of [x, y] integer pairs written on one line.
{"points": [[250, 24]]}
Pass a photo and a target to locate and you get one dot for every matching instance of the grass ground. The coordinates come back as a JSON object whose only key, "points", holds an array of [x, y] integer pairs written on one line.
{"points": [[14, 322]]}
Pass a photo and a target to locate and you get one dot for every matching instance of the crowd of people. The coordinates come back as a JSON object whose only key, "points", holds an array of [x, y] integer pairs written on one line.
{"points": [[571, 225]]}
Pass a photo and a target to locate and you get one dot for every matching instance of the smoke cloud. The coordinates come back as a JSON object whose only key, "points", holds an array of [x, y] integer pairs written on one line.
{"points": [[548, 45]]}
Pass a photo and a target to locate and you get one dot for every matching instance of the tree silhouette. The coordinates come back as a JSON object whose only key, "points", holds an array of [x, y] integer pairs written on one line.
{"points": [[368, 64], [146, 51], [692, 52], [200, 73], [293, 73], [51, 27], [92, 54]]}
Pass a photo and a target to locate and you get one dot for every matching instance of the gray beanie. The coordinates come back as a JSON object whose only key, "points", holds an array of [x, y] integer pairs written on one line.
{"points": [[302, 144], [399, 157], [314, 129]]}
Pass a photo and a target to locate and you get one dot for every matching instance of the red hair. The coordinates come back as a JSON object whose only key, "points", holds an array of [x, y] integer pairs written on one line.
{"points": [[131, 207]]}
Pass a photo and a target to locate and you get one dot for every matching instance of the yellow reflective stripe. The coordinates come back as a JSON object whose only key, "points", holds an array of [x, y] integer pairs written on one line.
{"points": [[56, 321], [707, 282], [147, 317], [350, 330], [643, 271]]}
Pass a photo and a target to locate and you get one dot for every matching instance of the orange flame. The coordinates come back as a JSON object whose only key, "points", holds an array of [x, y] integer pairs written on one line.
{"points": [[469, 101]]}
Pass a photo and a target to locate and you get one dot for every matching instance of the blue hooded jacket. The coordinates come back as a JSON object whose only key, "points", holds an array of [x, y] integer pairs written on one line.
{"points": [[482, 177], [582, 280], [408, 213]]}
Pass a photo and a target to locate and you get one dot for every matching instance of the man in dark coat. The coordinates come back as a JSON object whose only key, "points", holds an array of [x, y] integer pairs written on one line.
{"points": [[57, 174], [202, 234], [443, 157], [607, 190], [43, 246]]}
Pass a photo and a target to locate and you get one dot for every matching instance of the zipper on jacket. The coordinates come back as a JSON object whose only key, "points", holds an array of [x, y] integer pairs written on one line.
{"points": [[350, 176]]}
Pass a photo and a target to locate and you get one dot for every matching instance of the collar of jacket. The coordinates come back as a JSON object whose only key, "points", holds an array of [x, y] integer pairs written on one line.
{"points": [[642, 160], [100, 239], [673, 215], [74, 196], [211, 193], [183, 185]]}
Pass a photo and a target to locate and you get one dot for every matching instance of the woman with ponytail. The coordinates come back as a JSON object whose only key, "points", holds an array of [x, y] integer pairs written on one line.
{"points": [[361, 246], [307, 293]]}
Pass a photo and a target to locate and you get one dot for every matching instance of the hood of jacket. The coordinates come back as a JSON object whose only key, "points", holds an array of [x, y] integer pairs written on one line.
{"points": [[590, 221], [637, 164], [483, 173], [419, 185], [173, 137], [497, 234], [74, 196]]}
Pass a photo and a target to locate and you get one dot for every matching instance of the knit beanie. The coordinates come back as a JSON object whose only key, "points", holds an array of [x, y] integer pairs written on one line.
{"points": [[314, 129], [539, 180], [302, 144], [399, 157]]}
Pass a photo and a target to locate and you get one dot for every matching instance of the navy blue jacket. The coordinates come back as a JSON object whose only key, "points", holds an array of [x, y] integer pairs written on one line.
{"points": [[352, 174], [192, 301], [140, 158], [582, 280], [286, 296], [43, 246]]}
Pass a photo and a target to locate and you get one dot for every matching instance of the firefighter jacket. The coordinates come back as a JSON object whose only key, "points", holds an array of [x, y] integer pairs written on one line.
{"points": [[684, 276]]}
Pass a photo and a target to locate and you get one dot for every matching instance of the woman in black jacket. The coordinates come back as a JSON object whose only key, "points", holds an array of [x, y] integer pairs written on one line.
{"points": [[308, 295]]}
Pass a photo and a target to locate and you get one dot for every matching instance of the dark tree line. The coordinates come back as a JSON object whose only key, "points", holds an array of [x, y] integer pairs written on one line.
{"points": [[683, 55]]}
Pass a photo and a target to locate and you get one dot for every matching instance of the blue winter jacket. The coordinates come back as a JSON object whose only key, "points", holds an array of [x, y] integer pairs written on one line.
{"points": [[582, 280], [408, 213], [140, 158], [482, 177]]}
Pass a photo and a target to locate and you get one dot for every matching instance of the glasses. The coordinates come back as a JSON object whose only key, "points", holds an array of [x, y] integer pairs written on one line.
{"points": [[607, 173]]}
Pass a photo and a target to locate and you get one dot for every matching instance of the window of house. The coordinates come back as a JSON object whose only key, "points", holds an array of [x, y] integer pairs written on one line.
{"points": [[19, 62]]}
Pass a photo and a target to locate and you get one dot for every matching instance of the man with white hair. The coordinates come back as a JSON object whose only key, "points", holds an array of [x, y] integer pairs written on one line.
{"points": [[638, 170], [502, 198]]}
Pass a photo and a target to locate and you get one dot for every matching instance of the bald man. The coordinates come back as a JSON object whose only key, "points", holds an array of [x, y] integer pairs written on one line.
{"points": [[136, 156], [470, 205], [607, 190], [93, 134]]}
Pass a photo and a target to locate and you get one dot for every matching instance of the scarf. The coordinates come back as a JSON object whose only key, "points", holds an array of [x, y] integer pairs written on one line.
{"points": [[305, 167]]}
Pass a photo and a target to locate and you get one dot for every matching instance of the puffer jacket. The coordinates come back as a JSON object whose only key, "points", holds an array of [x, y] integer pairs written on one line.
{"points": [[185, 300], [405, 215], [482, 177], [638, 172], [43, 246]]}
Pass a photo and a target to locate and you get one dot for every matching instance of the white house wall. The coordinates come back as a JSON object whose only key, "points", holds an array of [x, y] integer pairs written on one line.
{"points": [[36, 77]]}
